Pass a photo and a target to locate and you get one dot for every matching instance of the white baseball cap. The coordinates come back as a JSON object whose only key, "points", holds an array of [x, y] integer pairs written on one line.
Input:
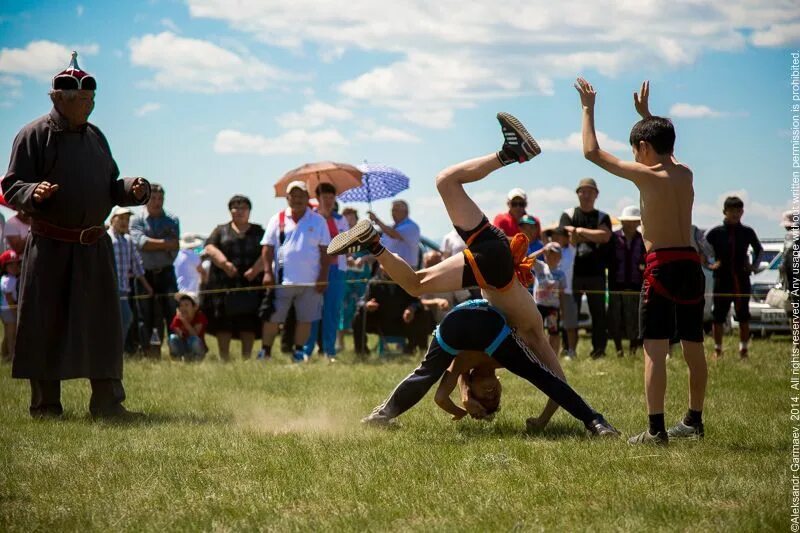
{"points": [[630, 213], [297, 184], [117, 211], [517, 193]]}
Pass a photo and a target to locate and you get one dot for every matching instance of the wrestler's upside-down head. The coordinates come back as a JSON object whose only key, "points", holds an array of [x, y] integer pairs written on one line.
{"points": [[484, 386]]}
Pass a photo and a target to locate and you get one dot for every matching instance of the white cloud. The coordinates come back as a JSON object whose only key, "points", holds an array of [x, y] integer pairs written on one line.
{"points": [[777, 35], [42, 59], [170, 25], [448, 55], [147, 108], [194, 65], [681, 110], [313, 115], [295, 141], [79, 10], [707, 214], [386, 134], [574, 142]]}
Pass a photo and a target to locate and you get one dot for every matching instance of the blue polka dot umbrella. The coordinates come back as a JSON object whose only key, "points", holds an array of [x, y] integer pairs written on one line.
{"points": [[378, 181]]}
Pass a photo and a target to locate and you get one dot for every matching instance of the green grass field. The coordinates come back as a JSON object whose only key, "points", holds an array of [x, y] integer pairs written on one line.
{"points": [[276, 446]]}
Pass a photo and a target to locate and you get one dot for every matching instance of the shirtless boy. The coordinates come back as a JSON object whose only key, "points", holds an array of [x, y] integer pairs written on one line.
{"points": [[473, 340], [672, 294], [489, 261]]}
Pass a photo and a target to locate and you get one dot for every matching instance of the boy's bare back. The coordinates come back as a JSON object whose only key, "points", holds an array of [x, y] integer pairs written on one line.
{"points": [[666, 199]]}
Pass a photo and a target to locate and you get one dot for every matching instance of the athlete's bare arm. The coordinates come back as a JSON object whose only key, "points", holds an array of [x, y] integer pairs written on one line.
{"points": [[442, 397]]}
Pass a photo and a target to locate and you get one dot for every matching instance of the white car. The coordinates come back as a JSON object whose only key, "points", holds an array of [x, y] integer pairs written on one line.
{"points": [[766, 320]]}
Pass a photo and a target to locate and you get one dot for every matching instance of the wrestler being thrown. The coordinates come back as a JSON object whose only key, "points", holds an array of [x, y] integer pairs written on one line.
{"points": [[501, 269], [473, 340]]}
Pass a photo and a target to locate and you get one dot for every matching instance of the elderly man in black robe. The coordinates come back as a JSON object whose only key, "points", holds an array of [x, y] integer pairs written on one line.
{"points": [[63, 175]]}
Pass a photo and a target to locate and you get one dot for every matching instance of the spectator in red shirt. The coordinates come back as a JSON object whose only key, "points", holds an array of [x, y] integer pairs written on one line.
{"points": [[509, 221], [188, 329]]}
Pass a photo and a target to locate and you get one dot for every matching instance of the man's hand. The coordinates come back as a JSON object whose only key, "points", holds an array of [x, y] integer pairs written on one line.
{"points": [[321, 284], [640, 100], [443, 304], [475, 409], [230, 269], [372, 305], [139, 188], [268, 279], [250, 274], [587, 93], [43, 191], [715, 265], [373, 217], [408, 316]]}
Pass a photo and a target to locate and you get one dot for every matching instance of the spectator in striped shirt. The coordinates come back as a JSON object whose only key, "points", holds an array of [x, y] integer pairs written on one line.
{"points": [[128, 263]]}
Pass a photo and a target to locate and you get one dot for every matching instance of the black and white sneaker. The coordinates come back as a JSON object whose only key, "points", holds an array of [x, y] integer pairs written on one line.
{"points": [[645, 437], [519, 145], [599, 427], [375, 419], [681, 430], [359, 237]]}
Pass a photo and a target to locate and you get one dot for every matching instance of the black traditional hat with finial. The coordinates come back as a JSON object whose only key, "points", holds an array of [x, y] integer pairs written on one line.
{"points": [[73, 78]]}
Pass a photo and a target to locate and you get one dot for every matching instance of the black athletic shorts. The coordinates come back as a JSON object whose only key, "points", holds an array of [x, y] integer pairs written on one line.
{"points": [[487, 260], [671, 302], [724, 291]]}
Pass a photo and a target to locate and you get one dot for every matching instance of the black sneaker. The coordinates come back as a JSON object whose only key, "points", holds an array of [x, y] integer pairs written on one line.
{"points": [[357, 238], [661, 438], [519, 145], [599, 427], [685, 431], [597, 354]]}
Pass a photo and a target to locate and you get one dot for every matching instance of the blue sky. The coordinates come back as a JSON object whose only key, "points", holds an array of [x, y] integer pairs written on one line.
{"points": [[212, 98]]}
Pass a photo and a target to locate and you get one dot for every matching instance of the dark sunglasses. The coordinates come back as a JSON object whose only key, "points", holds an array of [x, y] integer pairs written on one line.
{"points": [[68, 82], [519, 204]]}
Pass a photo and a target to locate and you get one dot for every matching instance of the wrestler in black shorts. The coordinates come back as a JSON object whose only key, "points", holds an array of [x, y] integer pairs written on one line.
{"points": [[487, 259], [671, 302], [476, 326]]}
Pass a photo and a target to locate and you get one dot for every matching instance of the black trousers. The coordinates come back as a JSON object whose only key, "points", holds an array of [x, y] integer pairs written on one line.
{"points": [[416, 333], [157, 311], [107, 395], [595, 287], [512, 353]]}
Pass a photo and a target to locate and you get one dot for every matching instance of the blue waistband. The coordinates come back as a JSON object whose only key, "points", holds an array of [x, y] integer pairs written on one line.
{"points": [[471, 304]]}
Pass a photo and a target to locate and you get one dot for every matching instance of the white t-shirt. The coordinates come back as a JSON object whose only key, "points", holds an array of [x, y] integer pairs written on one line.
{"points": [[566, 266], [299, 255], [186, 271], [7, 284], [15, 227], [406, 247], [453, 244], [342, 226]]}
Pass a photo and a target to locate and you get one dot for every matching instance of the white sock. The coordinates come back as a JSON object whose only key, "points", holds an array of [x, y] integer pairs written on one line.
{"points": [[742, 346], [718, 347]]}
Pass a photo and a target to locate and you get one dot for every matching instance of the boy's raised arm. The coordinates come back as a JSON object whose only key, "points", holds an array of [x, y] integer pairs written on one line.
{"points": [[591, 148]]}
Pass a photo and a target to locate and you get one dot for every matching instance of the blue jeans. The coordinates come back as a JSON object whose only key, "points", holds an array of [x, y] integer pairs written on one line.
{"points": [[191, 347], [331, 309], [126, 313]]}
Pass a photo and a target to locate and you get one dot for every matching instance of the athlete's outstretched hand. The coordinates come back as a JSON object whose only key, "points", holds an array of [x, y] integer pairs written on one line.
{"points": [[641, 100]]}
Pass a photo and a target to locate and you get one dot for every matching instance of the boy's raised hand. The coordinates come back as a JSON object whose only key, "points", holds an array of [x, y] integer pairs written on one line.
{"points": [[641, 100], [587, 93]]}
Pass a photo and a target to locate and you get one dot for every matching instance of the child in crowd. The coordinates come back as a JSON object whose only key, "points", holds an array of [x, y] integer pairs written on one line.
{"points": [[10, 265], [569, 307], [188, 329], [550, 283]]}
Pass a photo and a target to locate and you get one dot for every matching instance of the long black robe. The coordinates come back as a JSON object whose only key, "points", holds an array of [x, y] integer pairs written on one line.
{"points": [[69, 322]]}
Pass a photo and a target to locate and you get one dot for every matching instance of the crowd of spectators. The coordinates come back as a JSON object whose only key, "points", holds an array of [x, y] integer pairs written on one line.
{"points": [[244, 281]]}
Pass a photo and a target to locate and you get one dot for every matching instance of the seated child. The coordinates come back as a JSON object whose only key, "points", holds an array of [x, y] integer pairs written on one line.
{"points": [[550, 284], [10, 266], [188, 329]]}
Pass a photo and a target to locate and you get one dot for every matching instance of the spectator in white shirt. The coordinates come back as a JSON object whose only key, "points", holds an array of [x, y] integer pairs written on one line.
{"points": [[294, 255], [189, 271], [403, 237], [16, 232], [452, 244]]}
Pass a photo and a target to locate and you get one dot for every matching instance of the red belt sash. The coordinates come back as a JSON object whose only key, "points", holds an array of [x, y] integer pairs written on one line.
{"points": [[659, 258]]}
